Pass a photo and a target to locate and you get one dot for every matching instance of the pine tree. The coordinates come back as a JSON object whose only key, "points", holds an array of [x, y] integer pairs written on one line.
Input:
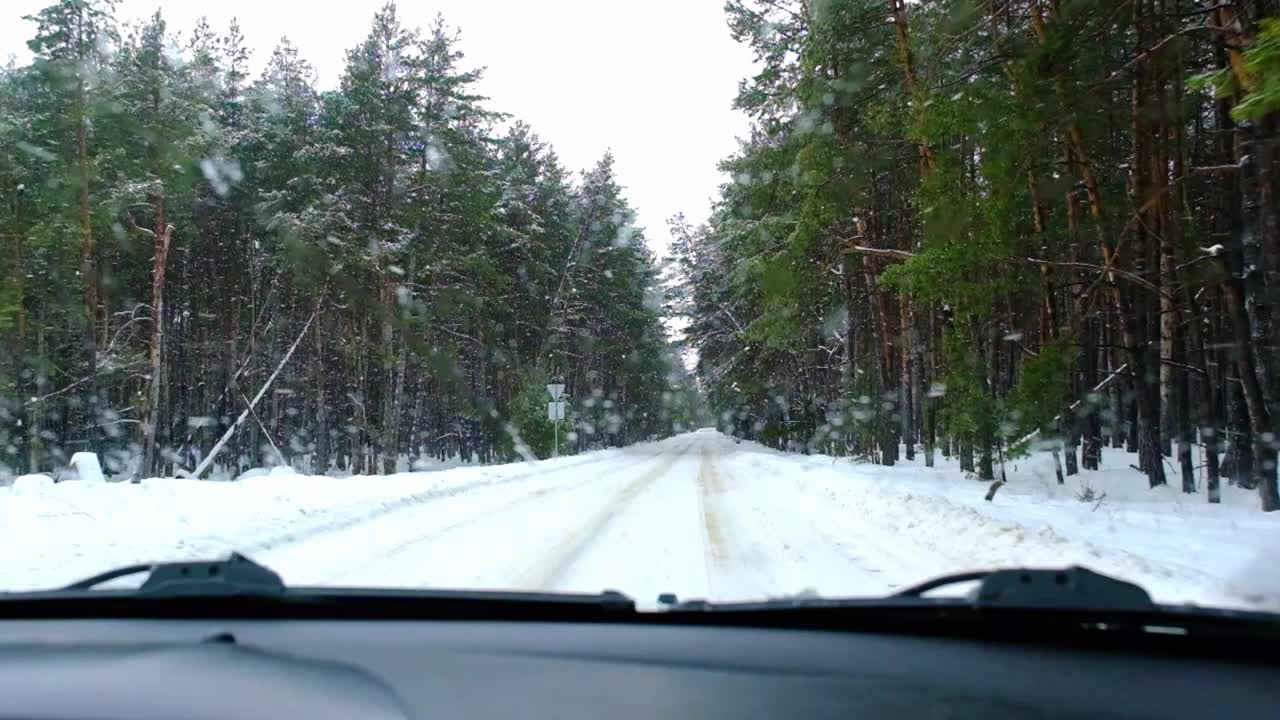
{"points": [[335, 281]]}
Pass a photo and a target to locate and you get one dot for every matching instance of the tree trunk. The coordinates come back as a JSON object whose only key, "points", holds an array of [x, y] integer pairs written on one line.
{"points": [[321, 462], [1255, 215], [392, 376], [1132, 417], [1091, 454], [23, 369], [850, 339], [880, 316], [1067, 431], [1119, 422], [1207, 417], [907, 382], [922, 397], [88, 264], [1183, 429], [151, 413]]}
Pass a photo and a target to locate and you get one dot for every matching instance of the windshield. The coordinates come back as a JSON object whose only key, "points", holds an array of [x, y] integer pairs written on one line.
{"points": [[774, 298]]}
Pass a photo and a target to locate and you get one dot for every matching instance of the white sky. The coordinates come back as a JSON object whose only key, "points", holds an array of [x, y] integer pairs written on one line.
{"points": [[653, 81]]}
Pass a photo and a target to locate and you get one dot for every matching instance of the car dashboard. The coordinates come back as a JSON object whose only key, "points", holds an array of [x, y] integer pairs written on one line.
{"points": [[144, 669]]}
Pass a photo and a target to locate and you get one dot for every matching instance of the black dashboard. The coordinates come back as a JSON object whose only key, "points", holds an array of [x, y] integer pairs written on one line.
{"points": [[140, 669]]}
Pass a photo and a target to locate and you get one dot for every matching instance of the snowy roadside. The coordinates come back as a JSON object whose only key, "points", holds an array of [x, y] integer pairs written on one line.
{"points": [[56, 533], [932, 521]]}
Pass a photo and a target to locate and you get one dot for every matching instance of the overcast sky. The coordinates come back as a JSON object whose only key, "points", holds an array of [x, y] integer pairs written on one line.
{"points": [[651, 80]]}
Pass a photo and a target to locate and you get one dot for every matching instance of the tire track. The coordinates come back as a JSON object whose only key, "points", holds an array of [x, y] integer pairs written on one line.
{"points": [[710, 487], [393, 506], [489, 513], [552, 566], [756, 546]]}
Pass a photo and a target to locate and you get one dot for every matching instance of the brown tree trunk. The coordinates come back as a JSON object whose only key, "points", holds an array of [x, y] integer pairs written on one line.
{"points": [[390, 381], [902, 38], [155, 378]]}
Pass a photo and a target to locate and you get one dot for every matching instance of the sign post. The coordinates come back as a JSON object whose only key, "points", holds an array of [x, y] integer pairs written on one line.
{"points": [[555, 413]]}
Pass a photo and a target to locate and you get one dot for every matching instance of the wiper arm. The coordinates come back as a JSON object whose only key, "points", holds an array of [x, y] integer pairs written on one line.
{"points": [[919, 589], [237, 575]]}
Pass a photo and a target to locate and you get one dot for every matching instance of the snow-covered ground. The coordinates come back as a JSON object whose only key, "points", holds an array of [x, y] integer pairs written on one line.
{"points": [[697, 514]]}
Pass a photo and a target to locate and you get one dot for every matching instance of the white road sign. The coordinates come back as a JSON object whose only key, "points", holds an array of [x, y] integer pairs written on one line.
{"points": [[555, 390], [555, 410]]}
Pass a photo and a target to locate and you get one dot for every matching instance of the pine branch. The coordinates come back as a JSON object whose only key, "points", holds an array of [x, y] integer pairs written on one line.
{"points": [[904, 255]]}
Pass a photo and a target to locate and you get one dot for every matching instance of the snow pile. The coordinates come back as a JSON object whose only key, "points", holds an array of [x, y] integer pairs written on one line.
{"points": [[31, 484], [87, 468]]}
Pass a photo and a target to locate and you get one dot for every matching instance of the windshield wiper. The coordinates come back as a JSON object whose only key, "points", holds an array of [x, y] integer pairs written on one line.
{"points": [[239, 587], [1019, 603], [1014, 588], [1074, 587], [234, 576]]}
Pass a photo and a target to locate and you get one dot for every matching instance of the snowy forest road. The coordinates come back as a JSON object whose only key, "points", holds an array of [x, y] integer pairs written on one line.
{"points": [[665, 517], [697, 514]]}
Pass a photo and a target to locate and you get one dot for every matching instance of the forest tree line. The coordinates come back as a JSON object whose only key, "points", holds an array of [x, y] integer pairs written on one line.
{"points": [[345, 280], [975, 227]]}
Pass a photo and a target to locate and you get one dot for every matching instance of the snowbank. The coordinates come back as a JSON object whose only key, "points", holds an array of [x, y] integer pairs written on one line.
{"points": [[31, 484]]}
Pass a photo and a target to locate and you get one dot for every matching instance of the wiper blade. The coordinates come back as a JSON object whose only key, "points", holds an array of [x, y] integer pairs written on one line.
{"points": [[236, 575], [1070, 588], [1069, 604], [1073, 588], [239, 587]]}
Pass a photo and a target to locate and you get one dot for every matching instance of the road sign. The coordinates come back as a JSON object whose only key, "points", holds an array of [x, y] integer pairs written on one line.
{"points": [[555, 410], [555, 413], [555, 390]]}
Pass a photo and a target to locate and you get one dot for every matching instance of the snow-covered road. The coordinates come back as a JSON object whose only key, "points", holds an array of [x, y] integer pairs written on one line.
{"points": [[698, 515], [664, 517]]}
